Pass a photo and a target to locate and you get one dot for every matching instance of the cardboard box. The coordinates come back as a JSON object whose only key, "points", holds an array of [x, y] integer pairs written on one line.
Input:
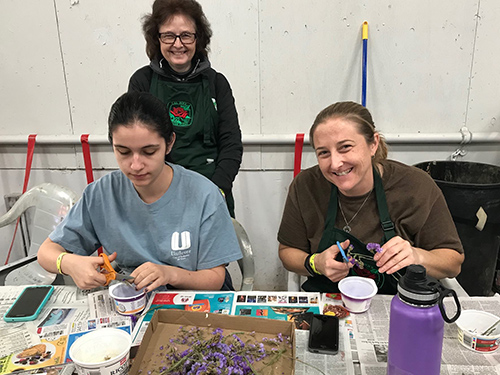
{"points": [[165, 325]]}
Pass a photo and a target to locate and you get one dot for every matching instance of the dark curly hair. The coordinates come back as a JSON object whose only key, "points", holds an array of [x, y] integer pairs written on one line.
{"points": [[358, 114], [162, 11]]}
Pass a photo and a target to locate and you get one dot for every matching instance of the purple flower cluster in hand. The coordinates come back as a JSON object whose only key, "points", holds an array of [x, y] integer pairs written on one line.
{"points": [[353, 258], [219, 353], [373, 247]]}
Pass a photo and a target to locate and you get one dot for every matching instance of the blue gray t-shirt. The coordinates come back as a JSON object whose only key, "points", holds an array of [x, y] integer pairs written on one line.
{"points": [[188, 227]]}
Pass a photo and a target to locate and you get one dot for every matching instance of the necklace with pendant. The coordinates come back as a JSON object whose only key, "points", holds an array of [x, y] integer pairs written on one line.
{"points": [[346, 227]]}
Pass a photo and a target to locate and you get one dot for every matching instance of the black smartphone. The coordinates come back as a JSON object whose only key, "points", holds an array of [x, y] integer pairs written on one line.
{"points": [[324, 334], [29, 303]]}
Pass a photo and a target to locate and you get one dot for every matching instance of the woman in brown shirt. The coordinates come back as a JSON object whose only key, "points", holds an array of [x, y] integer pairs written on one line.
{"points": [[356, 196]]}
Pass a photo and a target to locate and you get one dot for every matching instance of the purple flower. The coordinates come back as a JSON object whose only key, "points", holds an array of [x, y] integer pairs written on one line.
{"points": [[218, 331], [355, 262], [239, 340], [218, 354], [373, 247]]}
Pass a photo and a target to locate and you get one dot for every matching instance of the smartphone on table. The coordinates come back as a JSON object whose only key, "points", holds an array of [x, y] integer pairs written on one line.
{"points": [[324, 334], [29, 304]]}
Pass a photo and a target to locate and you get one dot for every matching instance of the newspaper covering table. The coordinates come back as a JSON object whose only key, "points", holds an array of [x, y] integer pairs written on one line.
{"points": [[363, 339], [69, 314], [313, 363]]}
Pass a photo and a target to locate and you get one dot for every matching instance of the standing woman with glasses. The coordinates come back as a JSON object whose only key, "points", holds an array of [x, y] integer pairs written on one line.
{"points": [[199, 99]]}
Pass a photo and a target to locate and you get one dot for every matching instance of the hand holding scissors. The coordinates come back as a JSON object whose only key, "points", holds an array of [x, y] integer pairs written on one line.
{"points": [[331, 268], [107, 270]]}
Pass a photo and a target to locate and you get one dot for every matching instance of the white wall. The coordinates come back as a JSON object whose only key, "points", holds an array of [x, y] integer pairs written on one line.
{"points": [[431, 69]]}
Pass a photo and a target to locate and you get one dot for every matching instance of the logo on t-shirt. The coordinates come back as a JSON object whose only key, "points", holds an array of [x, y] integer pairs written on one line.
{"points": [[181, 241], [181, 113]]}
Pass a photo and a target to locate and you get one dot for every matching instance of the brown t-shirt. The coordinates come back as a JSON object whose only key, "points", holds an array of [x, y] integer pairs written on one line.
{"points": [[416, 206]]}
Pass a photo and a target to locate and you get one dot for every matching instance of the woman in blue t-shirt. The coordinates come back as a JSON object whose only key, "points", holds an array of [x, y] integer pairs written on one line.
{"points": [[167, 225]]}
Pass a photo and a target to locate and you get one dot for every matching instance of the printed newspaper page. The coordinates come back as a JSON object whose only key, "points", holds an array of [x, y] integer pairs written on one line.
{"points": [[100, 303], [45, 341], [290, 306], [457, 359], [308, 363], [14, 337], [32, 347], [369, 339]]}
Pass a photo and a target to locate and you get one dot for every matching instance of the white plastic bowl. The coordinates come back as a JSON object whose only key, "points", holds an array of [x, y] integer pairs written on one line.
{"points": [[471, 325], [357, 293]]}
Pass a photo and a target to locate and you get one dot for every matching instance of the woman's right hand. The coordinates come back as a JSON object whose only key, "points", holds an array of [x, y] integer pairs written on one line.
{"points": [[326, 264], [84, 270]]}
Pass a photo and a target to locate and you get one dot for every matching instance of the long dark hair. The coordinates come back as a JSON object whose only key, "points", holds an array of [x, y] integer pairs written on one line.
{"points": [[143, 107]]}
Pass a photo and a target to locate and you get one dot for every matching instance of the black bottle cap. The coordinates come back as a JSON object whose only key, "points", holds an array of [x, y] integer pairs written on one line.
{"points": [[417, 288]]}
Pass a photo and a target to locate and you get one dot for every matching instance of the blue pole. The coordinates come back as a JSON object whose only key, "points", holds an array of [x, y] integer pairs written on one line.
{"points": [[365, 58]]}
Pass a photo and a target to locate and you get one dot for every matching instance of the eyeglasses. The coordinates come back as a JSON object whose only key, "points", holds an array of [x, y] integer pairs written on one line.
{"points": [[170, 38]]}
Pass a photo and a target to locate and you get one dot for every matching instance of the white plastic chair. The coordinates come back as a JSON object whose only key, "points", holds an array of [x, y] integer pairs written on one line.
{"points": [[51, 202], [246, 264]]}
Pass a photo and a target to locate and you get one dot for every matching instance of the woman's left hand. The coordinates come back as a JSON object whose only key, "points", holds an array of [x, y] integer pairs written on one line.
{"points": [[151, 275], [396, 253]]}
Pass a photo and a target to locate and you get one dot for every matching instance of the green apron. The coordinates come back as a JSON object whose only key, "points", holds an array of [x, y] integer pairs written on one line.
{"points": [[387, 284], [194, 117]]}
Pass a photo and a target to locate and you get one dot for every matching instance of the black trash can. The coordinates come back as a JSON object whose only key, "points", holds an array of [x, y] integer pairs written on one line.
{"points": [[467, 187]]}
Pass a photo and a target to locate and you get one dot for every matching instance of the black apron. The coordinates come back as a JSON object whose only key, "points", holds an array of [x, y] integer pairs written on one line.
{"points": [[387, 284], [194, 117], [195, 120]]}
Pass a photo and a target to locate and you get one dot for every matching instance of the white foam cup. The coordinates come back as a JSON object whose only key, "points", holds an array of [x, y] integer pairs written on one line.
{"points": [[103, 351], [357, 293]]}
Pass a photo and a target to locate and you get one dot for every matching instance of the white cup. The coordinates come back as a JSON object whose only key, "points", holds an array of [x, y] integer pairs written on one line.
{"points": [[357, 293]]}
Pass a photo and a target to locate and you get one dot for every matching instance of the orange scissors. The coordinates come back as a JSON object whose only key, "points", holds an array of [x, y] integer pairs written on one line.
{"points": [[110, 273]]}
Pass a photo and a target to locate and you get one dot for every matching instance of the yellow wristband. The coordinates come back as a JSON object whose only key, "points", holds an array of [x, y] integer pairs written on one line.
{"points": [[58, 263], [311, 263]]}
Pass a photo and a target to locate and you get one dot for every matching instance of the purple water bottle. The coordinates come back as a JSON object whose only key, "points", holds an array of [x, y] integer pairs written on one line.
{"points": [[417, 324]]}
